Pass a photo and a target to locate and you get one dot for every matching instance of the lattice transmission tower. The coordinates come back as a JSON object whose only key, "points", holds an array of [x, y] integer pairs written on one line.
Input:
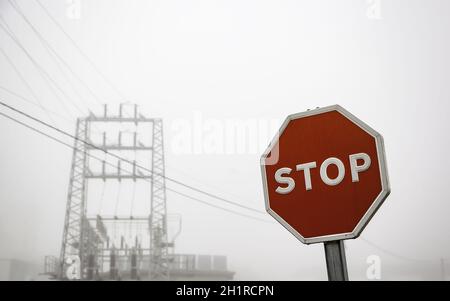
{"points": [[91, 241]]}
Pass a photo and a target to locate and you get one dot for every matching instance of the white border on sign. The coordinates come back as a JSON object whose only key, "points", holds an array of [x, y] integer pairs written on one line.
{"points": [[385, 186]]}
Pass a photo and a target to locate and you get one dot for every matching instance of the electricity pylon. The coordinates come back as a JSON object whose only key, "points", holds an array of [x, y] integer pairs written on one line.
{"points": [[90, 243]]}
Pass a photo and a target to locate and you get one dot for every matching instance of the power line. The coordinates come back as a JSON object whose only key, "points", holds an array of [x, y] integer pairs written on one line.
{"points": [[86, 57], [121, 168], [130, 162], [225, 209], [53, 52], [55, 56], [47, 78], [27, 85], [27, 100], [43, 108], [127, 171]]}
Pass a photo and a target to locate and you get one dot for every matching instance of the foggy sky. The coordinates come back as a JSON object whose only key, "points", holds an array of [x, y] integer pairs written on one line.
{"points": [[242, 60]]}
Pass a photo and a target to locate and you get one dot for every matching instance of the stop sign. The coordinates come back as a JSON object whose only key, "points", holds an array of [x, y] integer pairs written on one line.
{"points": [[324, 175]]}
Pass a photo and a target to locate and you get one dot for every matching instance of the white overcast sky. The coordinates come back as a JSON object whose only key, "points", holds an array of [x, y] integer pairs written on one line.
{"points": [[235, 61]]}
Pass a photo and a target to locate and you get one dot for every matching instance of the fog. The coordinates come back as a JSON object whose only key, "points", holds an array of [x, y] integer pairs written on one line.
{"points": [[204, 66]]}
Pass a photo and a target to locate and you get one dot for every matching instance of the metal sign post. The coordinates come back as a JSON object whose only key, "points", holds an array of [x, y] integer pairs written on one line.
{"points": [[335, 258]]}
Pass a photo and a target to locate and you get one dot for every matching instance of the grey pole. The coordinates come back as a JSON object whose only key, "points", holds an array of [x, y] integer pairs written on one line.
{"points": [[335, 258]]}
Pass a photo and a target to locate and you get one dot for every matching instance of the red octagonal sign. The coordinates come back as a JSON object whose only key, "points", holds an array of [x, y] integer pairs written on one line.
{"points": [[324, 175]]}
